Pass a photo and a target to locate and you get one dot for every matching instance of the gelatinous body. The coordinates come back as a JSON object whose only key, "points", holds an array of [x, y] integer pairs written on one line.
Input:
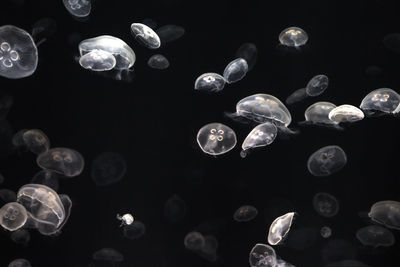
{"points": [[262, 255], [280, 228], [108, 168], [21, 237], [375, 236], [47, 178], [158, 62], [174, 209], [65, 161], [346, 113], [211, 82], [7, 195], [13, 216], [108, 254], [317, 85], [78, 8], [318, 113], [19, 263], [134, 230], [249, 52], [36, 141], [326, 231], [380, 100], [325, 205], [216, 139], [326, 161], [209, 250], [194, 241], [387, 213], [262, 135], [98, 60], [169, 33], [245, 213], [145, 35], [236, 70], [296, 96], [126, 219], [293, 36]]}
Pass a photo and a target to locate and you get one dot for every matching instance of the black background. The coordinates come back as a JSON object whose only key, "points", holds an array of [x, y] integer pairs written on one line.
{"points": [[153, 121]]}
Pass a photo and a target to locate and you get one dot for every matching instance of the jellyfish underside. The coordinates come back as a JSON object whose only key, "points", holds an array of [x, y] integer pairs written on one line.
{"points": [[210, 82], [65, 161], [262, 255], [383, 100], [216, 139], [326, 161], [325, 204]]}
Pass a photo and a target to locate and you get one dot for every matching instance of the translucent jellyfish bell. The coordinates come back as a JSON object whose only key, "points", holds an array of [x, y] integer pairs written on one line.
{"points": [[108, 254], [13, 216], [134, 230], [98, 60], [158, 62], [145, 35], [262, 255], [169, 33], [249, 52], [318, 113], [78, 8], [325, 205], [245, 213], [317, 85], [380, 100], [326, 161], [216, 139], [293, 36], [211, 82], [387, 213], [19, 263], [65, 161], [375, 236], [236, 70], [36, 141], [194, 241], [326, 231], [18, 53], [297, 96], [262, 135], [280, 228], [346, 113]]}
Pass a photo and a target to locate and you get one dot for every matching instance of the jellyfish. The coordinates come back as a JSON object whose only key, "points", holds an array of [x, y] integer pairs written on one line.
{"points": [[325, 204], [249, 52], [318, 113], [7, 195], [282, 263], [98, 60], [216, 139], [262, 135], [236, 70], [126, 219], [346, 113], [174, 209], [302, 238], [65, 161], [78, 8], [317, 85], [209, 250], [108, 254], [19, 263], [18, 53], [36, 141], [134, 230], [297, 96], [293, 37], [47, 178], [386, 213], [392, 42], [6, 101], [108, 168], [347, 263], [158, 62], [375, 236], [67, 204], [245, 213], [211, 82], [169, 33], [382, 100], [326, 231], [262, 255], [145, 35], [150, 23], [13, 216], [280, 228], [43, 29], [21, 237], [18, 140], [194, 241], [326, 161]]}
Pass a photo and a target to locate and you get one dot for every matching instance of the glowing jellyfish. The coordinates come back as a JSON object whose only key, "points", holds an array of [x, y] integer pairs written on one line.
{"points": [[108, 254], [65, 161], [245, 213], [211, 82], [108, 168], [392, 42], [47, 178], [249, 52], [293, 37], [326, 231], [18, 53], [134, 230], [78, 8], [325, 204], [280, 228], [194, 241], [383, 100], [174, 209], [216, 139], [346, 113], [236, 70], [326, 161], [21, 237], [124, 55], [126, 219], [169, 33], [318, 113], [13, 216], [297, 96], [145, 35], [98, 60], [375, 236], [387, 213], [36, 141], [158, 62], [317, 85], [262, 135], [347, 263], [7, 195], [17, 139], [262, 255], [19, 263]]}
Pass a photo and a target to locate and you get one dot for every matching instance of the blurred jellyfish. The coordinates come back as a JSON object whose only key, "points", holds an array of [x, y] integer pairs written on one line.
{"points": [[318, 114], [194, 241], [280, 228], [134, 230], [47, 178], [293, 37], [346, 113], [158, 62], [236, 70], [6, 101], [245, 213], [297, 96], [7, 195], [65, 161], [98, 60], [302, 238], [1, 179], [145, 35], [325, 204], [169, 33], [18, 53], [317, 85], [375, 236], [337, 250], [347, 263], [150, 23], [262, 255], [262, 135], [126, 219], [13, 216], [67, 204], [174, 209], [326, 161], [108, 168], [282, 263], [78, 8], [387, 213], [326, 231], [216, 139], [19, 263], [209, 250], [211, 82], [36, 141], [382, 100], [18, 140], [21, 237], [108, 254], [392, 42], [249, 52]]}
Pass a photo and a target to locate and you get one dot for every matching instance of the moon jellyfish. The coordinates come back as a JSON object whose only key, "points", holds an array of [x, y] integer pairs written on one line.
{"points": [[126, 219], [108, 254], [13, 216], [346, 113], [326, 161], [249, 52], [19, 263], [174, 209], [7, 195], [18, 53], [65, 161], [216, 139], [21, 237], [211, 82], [124, 55], [108, 168], [297, 96], [209, 250], [280, 228], [293, 37], [387, 213], [47, 178], [158, 62], [375, 236], [245, 213], [36, 141], [392, 42], [134, 230], [145, 35], [78, 8], [262, 255], [282, 263], [150, 22], [318, 113], [326, 231], [325, 204], [380, 100], [347, 263], [169, 33], [262, 135], [235, 70], [18, 140], [317, 85], [98, 60], [194, 241]]}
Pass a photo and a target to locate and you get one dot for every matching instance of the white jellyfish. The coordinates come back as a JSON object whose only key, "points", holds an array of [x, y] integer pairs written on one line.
{"points": [[126, 219], [145, 35], [293, 37], [236, 70], [13, 216], [216, 139], [249, 52], [245, 213], [262, 255], [36, 141], [262, 135], [387, 213], [65, 161], [382, 100], [169, 33], [375, 236], [98, 60], [318, 114], [280, 228], [326, 161], [211, 82], [317, 85], [158, 62], [78, 8], [346, 113]]}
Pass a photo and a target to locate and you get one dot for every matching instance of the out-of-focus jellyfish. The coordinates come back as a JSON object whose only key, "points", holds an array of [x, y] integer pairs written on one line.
{"points": [[47, 178], [302, 238], [346, 113], [211, 82], [317, 85], [236, 70], [36, 141], [375, 236], [158, 62], [150, 23], [325, 204], [216, 139], [282, 263], [21, 237], [174, 209], [347, 263], [124, 55], [169, 33], [336, 250], [18, 53], [280, 228], [293, 37], [383, 100], [387, 213], [318, 114], [65, 161], [126, 219], [108, 168], [7, 195], [145, 35], [392, 42], [78, 8], [98, 60], [134, 230], [262, 255], [249, 52], [18, 140], [262, 135], [13, 216], [209, 250], [326, 161], [297, 96], [108, 254], [19, 263], [194, 241], [6, 101], [1, 179], [326, 231], [245, 213]]}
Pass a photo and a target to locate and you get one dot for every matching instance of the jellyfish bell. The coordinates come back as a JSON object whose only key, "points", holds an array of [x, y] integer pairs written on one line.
{"points": [[145, 35], [216, 139], [235, 70], [325, 204], [13, 216], [158, 61], [78, 8], [317, 85], [375, 236], [262, 135], [262, 255], [19, 263], [65, 161], [326, 161], [98, 60], [169, 33], [245, 213], [36, 141], [386, 213], [293, 37], [280, 228], [318, 114], [210, 82], [297, 96], [346, 113], [126, 219], [194, 241], [383, 100]]}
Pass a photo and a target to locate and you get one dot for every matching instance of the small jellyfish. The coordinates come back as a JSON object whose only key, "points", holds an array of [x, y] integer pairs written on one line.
{"points": [[175, 209], [318, 113], [236, 70], [325, 204], [18, 53], [17, 139], [282, 263], [209, 250], [211, 82], [387, 213], [134, 230], [326, 161], [6, 101], [150, 23], [158, 62], [67, 204], [65, 161], [346, 113], [392, 42], [245, 213], [262, 255], [293, 37], [194, 241], [145, 35], [326, 231], [169, 33], [108, 168], [47, 178], [347, 263], [317, 85], [380, 100], [19, 263], [1, 179], [98, 60], [21, 237], [216, 139], [375, 236], [108, 254], [78, 8], [249, 52], [126, 219], [36, 141], [13, 216], [297, 96], [262, 135], [280, 228], [7, 195]]}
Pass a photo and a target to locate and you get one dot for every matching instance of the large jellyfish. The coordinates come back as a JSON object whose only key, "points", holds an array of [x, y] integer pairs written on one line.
{"points": [[98, 60], [280, 228], [13, 216], [65, 161], [346, 113], [236, 70], [249, 52], [108, 168], [245, 213], [145, 35], [36, 141], [317, 85], [216, 139], [326, 161], [211, 82], [78, 8], [293, 36], [387, 213], [47, 178], [325, 204], [318, 114], [382, 100], [375, 236], [194, 241], [18, 53], [262, 135], [262, 255]]}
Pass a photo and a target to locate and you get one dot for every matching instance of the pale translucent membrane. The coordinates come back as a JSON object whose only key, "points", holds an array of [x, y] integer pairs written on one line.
{"points": [[318, 113], [47, 178], [145, 35], [19, 263], [36, 141], [124, 55], [78, 8], [108, 254], [65, 161], [216, 139], [280, 228], [325, 204], [236, 70], [347, 263], [387, 213], [262, 255], [317, 85], [249, 52], [158, 61], [375, 236], [262, 135], [169, 33], [381, 100], [326, 231], [211, 82], [326, 161], [194, 241], [245, 213], [297, 96], [18, 53], [67, 204], [135, 230], [293, 37], [13, 216], [98, 60], [21, 237], [346, 113]]}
